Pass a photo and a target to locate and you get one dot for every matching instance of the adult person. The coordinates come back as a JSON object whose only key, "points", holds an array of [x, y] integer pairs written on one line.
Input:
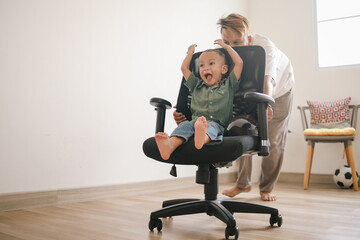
{"points": [[279, 82]]}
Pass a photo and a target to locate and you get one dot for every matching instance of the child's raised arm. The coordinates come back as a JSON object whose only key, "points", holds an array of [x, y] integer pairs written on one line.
{"points": [[185, 67], [238, 62]]}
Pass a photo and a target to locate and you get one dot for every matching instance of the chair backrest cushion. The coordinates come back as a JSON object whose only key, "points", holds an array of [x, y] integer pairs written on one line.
{"points": [[330, 114]]}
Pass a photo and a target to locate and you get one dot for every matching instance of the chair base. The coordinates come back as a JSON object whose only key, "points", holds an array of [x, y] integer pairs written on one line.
{"points": [[222, 208]]}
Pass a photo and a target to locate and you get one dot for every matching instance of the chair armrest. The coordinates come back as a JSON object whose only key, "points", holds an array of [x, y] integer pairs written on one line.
{"points": [[159, 102], [304, 121], [259, 97], [262, 101], [160, 106], [354, 115]]}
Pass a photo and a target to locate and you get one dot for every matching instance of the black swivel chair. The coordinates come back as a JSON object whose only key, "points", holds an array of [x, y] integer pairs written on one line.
{"points": [[247, 134]]}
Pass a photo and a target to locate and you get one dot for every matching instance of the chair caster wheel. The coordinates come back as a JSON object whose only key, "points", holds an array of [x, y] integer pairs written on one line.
{"points": [[276, 219], [231, 231], [155, 223]]}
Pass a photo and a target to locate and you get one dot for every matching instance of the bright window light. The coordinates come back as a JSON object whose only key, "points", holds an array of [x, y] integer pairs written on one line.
{"points": [[338, 32]]}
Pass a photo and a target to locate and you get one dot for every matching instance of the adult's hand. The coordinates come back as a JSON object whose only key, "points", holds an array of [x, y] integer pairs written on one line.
{"points": [[178, 116], [269, 85], [270, 113]]}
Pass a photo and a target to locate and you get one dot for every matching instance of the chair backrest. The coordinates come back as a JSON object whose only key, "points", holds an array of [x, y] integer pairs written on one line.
{"points": [[305, 116], [252, 80]]}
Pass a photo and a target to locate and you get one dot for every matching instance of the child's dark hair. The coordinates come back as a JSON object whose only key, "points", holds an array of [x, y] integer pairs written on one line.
{"points": [[218, 51]]}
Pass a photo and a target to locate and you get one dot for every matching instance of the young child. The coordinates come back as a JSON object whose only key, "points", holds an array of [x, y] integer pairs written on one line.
{"points": [[212, 99]]}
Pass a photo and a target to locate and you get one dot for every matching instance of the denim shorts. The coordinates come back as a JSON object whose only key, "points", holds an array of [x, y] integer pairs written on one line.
{"points": [[186, 130]]}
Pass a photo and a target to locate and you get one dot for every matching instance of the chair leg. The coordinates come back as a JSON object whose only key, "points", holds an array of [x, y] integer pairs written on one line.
{"points": [[219, 211], [180, 209], [309, 158], [246, 207], [351, 163], [178, 201]]}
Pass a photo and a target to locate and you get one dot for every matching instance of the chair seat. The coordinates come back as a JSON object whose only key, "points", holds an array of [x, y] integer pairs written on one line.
{"points": [[227, 150], [330, 135], [329, 131]]}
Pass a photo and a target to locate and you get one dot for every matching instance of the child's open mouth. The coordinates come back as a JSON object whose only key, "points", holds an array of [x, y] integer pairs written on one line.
{"points": [[208, 76]]}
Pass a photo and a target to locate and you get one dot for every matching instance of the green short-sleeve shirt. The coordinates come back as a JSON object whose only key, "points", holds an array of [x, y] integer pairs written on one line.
{"points": [[213, 102]]}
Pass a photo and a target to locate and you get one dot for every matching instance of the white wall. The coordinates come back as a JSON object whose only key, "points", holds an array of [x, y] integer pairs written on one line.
{"points": [[72, 74], [75, 81], [290, 24]]}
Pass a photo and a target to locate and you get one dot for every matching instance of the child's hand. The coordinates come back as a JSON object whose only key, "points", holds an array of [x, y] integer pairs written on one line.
{"points": [[220, 42], [185, 66], [191, 49]]}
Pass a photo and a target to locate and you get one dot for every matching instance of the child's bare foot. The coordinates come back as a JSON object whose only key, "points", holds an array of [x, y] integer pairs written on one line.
{"points": [[164, 145], [267, 196], [200, 132], [232, 192]]}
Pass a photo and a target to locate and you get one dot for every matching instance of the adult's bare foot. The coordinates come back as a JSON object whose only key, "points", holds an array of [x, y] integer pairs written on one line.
{"points": [[200, 137], [164, 145], [232, 192], [267, 196]]}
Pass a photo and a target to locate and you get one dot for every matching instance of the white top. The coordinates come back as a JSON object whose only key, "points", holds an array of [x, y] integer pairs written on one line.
{"points": [[278, 66]]}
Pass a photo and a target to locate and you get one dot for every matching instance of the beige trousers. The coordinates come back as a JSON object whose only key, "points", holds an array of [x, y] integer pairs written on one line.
{"points": [[271, 165]]}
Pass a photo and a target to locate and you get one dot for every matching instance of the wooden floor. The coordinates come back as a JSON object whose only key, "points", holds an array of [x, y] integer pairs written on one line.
{"points": [[322, 212]]}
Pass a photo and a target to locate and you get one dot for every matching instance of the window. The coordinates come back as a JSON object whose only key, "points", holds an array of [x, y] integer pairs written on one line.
{"points": [[338, 32]]}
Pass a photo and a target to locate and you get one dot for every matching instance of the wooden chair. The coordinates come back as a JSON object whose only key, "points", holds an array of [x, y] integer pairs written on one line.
{"points": [[331, 135]]}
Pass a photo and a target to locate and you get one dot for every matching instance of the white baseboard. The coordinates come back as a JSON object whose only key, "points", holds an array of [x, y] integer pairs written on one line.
{"points": [[299, 178]]}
